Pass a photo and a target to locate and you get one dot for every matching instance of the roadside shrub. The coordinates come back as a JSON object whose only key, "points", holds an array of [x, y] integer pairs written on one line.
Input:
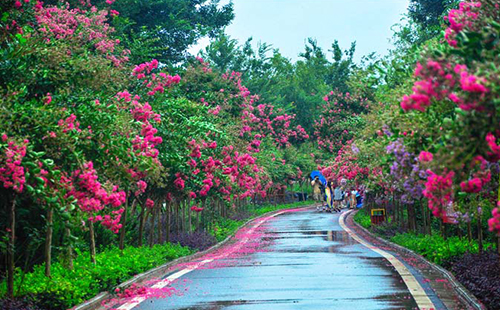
{"points": [[479, 274], [225, 227], [196, 240], [21, 304], [67, 288], [435, 248], [363, 219]]}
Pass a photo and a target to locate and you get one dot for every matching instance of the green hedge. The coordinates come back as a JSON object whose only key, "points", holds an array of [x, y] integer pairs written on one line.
{"points": [[435, 248], [67, 288], [363, 218], [225, 227]]}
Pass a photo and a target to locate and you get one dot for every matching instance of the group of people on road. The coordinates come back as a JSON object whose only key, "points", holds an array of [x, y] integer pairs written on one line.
{"points": [[334, 195]]}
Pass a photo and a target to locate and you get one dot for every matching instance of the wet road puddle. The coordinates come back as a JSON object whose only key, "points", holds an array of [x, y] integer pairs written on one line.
{"points": [[293, 262]]}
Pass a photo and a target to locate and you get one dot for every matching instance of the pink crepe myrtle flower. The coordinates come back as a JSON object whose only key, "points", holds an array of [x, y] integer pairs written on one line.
{"points": [[12, 173], [494, 222], [439, 191], [425, 156], [141, 187]]}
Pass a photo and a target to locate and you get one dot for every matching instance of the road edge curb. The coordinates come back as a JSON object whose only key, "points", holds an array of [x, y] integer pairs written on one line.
{"points": [[466, 296], [95, 302]]}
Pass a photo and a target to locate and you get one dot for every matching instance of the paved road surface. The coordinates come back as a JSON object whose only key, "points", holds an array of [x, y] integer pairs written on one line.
{"points": [[304, 260]]}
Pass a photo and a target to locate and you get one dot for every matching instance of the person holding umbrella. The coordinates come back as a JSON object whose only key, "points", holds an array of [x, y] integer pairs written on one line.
{"points": [[318, 183]]}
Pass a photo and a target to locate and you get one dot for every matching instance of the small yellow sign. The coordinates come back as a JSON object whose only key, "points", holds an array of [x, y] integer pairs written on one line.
{"points": [[378, 212]]}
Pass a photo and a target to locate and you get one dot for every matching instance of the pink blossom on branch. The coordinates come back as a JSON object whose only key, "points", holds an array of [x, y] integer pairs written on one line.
{"points": [[93, 199], [494, 222], [150, 203], [439, 192], [12, 173], [425, 156], [460, 19]]}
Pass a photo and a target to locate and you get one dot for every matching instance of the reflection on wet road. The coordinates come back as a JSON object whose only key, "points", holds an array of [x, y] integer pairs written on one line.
{"points": [[305, 261]]}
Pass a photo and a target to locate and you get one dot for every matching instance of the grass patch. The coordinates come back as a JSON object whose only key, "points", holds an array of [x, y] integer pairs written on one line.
{"points": [[67, 288], [435, 248], [363, 218]]}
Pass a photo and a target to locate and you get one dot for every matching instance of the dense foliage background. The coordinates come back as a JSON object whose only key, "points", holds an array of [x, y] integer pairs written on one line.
{"points": [[113, 137]]}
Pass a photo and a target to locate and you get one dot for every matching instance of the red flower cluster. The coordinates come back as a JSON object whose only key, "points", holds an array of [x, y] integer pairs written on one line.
{"points": [[425, 156], [479, 178], [439, 192], [92, 198], [494, 222], [330, 129], [80, 27], [439, 81], [459, 19], [12, 173]]}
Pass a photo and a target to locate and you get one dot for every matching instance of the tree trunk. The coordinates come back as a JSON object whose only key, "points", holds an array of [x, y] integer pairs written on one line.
{"points": [[429, 220], [11, 249], [410, 210], [479, 233], [443, 230], [152, 232], [198, 220], [123, 229], [403, 220], [302, 190], [141, 226], [48, 241], [177, 216], [469, 232], [424, 217], [185, 215], [92, 242], [190, 221], [167, 223], [160, 226], [67, 233], [395, 209], [182, 216]]}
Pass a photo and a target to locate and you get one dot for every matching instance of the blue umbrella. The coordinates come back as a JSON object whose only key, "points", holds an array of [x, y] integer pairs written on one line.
{"points": [[318, 174]]}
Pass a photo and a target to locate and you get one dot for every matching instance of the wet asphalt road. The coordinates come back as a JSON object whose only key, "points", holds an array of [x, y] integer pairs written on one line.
{"points": [[305, 261]]}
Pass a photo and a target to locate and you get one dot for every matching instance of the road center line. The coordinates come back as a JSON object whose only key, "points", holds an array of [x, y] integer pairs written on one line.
{"points": [[423, 301], [136, 301]]}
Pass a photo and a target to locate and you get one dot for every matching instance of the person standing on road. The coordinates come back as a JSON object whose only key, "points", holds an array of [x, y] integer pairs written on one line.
{"points": [[352, 198], [316, 185], [338, 195], [329, 196]]}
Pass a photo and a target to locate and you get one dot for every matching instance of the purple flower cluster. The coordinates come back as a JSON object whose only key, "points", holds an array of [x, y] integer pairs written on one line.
{"points": [[354, 149], [406, 172], [387, 130]]}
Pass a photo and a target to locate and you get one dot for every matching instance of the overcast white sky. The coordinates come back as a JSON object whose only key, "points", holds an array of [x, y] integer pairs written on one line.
{"points": [[286, 24]]}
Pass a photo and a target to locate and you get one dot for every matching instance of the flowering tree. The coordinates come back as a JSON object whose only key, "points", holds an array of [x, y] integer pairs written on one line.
{"points": [[461, 82], [340, 116]]}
